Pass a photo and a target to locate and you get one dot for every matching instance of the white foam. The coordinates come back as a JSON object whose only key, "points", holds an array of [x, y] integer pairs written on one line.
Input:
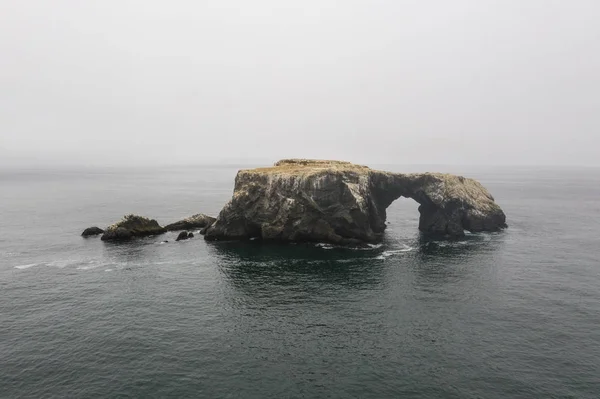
{"points": [[81, 264], [445, 244], [485, 236], [62, 263], [392, 252], [27, 266], [56, 263], [108, 270], [324, 245], [368, 247], [91, 265]]}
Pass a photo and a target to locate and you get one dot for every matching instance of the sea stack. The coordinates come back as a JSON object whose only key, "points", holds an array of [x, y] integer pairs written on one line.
{"points": [[340, 202]]}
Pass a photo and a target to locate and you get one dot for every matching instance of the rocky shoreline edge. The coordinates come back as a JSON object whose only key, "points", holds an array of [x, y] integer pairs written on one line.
{"points": [[131, 226]]}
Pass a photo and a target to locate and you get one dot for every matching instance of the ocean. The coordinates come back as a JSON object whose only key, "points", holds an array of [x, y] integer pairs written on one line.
{"points": [[514, 314]]}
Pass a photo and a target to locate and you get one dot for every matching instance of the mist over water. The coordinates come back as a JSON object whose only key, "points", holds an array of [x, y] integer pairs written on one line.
{"points": [[511, 314]]}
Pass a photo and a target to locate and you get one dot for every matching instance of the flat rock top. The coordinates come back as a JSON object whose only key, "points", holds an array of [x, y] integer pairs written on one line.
{"points": [[134, 222], [308, 166], [440, 187]]}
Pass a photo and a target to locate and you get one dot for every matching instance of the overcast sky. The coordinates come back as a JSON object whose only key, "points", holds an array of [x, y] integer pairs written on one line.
{"points": [[372, 81]]}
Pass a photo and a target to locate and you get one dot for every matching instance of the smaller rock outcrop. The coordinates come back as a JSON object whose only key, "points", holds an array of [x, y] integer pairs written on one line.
{"points": [[92, 231], [132, 226], [193, 222], [184, 235]]}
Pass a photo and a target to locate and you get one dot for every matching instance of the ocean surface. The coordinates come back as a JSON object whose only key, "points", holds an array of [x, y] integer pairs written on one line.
{"points": [[514, 314]]}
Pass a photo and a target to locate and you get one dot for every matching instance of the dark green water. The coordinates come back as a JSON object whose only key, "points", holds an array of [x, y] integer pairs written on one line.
{"points": [[508, 315]]}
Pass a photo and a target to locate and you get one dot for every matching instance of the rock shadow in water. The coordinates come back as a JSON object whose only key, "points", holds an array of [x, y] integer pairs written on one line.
{"points": [[305, 267]]}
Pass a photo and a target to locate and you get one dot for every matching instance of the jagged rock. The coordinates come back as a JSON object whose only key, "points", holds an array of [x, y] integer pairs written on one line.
{"points": [[183, 236], [339, 202], [92, 231], [190, 235], [132, 226], [193, 222], [117, 234]]}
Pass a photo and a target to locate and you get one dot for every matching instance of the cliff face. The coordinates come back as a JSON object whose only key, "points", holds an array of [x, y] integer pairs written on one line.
{"points": [[339, 202]]}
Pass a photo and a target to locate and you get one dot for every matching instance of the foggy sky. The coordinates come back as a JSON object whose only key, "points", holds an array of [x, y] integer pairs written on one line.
{"points": [[372, 81]]}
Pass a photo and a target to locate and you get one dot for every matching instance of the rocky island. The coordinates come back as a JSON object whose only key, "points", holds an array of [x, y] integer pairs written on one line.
{"points": [[340, 202], [132, 226]]}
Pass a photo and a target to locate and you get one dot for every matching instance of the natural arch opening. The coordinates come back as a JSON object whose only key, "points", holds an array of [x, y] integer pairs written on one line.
{"points": [[448, 204], [402, 218]]}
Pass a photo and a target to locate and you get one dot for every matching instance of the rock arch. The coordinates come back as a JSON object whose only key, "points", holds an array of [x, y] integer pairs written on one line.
{"points": [[334, 201], [448, 204]]}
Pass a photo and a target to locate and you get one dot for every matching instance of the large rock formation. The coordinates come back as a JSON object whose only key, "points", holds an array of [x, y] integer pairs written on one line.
{"points": [[132, 226], [339, 202], [193, 222]]}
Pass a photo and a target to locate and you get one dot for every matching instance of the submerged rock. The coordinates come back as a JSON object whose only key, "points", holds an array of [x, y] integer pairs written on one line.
{"points": [[184, 235], [339, 202], [132, 226], [193, 222], [92, 231]]}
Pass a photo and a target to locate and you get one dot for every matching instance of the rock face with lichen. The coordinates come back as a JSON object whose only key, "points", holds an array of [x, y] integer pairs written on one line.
{"points": [[193, 222], [340, 202], [132, 226]]}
